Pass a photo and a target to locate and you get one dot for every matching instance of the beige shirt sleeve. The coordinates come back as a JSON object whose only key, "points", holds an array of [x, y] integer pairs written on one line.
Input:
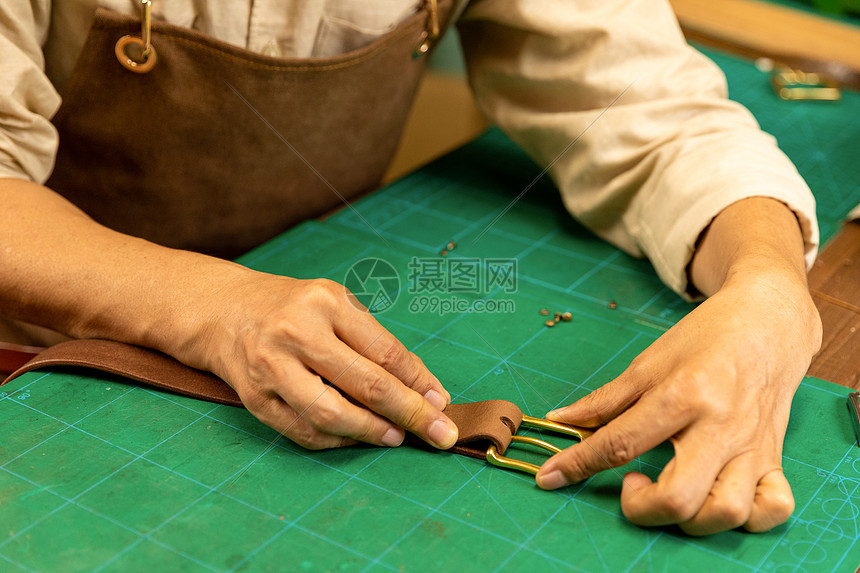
{"points": [[633, 124], [28, 141]]}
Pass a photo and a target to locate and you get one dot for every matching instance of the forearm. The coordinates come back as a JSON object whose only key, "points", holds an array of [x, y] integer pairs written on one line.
{"points": [[755, 236], [755, 247], [62, 270]]}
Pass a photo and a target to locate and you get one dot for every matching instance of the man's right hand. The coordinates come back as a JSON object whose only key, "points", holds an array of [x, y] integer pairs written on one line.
{"points": [[277, 342]]}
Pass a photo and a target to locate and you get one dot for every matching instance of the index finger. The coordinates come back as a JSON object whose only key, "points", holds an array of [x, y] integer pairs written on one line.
{"points": [[361, 331], [379, 390], [639, 429]]}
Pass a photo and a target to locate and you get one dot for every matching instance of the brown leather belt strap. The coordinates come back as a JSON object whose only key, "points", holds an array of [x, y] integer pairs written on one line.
{"points": [[140, 364], [13, 356], [480, 423]]}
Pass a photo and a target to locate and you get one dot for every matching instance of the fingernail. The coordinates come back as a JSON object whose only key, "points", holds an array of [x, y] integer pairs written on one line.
{"points": [[445, 393], [551, 480], [443, 434], [435, 398], [393, 437]]}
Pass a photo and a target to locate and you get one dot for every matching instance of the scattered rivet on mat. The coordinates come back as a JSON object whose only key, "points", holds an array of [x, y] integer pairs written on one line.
{"points": [[544, 312], [613, 305]]}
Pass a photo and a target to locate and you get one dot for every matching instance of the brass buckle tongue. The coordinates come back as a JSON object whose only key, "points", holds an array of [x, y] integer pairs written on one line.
{"points": [[143, 60], [495, 458]]}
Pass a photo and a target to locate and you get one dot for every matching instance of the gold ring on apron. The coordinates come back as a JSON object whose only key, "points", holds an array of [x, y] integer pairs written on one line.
{"points": [[145, 60]]}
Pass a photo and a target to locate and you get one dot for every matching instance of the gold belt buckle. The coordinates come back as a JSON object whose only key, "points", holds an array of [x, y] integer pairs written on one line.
{"points": [[495, 458]]}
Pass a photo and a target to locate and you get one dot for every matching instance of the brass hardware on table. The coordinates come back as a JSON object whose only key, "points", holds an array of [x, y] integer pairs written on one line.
{"points": [[797, 85]]}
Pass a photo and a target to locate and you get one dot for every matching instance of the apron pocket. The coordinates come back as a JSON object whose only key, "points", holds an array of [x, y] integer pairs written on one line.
{"points": [[336, 37]]}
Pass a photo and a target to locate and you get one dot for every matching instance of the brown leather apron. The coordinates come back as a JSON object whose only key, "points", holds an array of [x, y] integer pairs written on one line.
{"points": [[217, 148]]}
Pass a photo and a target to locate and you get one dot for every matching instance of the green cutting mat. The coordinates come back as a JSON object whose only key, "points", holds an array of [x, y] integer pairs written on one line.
{"points": [[97, 474]]}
